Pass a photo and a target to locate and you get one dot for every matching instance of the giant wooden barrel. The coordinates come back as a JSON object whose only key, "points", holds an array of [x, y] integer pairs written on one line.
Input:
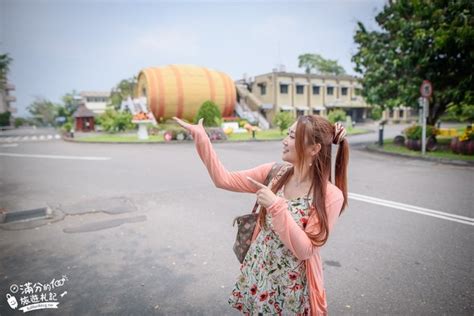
{"points": [[180, 90]]}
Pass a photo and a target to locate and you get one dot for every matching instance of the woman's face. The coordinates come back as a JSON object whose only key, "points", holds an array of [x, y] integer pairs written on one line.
{"points": [[289, 150]]}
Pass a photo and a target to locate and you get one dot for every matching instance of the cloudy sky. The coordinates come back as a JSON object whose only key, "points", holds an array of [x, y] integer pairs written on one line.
{"points": [[58, 46]]}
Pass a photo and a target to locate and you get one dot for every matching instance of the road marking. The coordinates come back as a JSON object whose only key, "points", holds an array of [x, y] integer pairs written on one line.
{"points": [[54, 156], [413, 209], [9, 145], [27, 138]]}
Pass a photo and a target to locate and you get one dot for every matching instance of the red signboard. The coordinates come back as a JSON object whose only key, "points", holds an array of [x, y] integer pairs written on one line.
{"points": [[426, 89]]}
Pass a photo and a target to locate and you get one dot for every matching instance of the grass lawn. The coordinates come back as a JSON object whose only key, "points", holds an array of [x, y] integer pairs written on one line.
{"points": [[443, 150], [271, 134], [276, 135]]}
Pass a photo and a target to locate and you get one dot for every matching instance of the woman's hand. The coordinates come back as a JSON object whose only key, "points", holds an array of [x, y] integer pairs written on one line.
{"points": [[187, 126], [265, 196]]}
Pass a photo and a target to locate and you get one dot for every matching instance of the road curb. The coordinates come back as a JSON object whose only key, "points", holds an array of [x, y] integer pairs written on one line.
{"points": [[373, 149], [73, 140]]}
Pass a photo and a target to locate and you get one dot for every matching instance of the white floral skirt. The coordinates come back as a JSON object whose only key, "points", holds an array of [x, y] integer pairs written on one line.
{"points": [[272, 279]]}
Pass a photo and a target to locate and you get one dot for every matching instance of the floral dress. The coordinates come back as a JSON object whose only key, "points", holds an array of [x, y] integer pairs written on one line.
{"points": [[272, 279]]}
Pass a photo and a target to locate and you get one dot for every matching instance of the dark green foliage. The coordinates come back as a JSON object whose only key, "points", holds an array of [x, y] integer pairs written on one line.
{"points": [[432, 40], [5, 118], [210, 113], [414, 132]]}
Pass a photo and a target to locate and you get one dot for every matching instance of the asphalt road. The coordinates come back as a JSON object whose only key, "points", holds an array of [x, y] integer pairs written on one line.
{"points": [[140, 229]]}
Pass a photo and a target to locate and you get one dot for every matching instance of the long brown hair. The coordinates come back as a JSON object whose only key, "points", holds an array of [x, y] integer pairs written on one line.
{"points": [[311, 130]]}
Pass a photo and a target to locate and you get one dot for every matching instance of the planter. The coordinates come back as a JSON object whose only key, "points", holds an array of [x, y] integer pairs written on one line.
{"points": [[415, 144], [465, 148]]}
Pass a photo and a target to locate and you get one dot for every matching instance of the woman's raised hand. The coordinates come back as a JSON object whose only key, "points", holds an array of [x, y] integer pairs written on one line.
{"points": [[187, 126]]}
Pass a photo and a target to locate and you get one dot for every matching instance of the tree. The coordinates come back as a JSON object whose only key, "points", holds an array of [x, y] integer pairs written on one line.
{"points": [[43, 111], [70, 104], [283, 120], [337, 116], [122, 91], [320, 64], [5, 118], [210, 113], [5, 61], [419, 40]]}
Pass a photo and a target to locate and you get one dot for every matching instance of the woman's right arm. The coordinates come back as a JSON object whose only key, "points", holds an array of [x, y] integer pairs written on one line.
{"points": [[233, 181]]}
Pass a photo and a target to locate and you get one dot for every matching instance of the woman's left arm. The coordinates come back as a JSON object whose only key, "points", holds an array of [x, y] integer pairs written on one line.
{"points": [[292, 236]]}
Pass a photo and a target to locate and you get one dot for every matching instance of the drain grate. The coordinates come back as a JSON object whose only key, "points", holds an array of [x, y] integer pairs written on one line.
{"points": [[27, 215]]}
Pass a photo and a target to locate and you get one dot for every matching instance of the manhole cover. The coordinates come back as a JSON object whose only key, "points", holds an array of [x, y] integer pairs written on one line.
{"points": [[27, 215]]}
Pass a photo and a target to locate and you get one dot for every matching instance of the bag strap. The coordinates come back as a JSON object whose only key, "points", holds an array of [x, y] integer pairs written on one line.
{"points": [[276, 168]]}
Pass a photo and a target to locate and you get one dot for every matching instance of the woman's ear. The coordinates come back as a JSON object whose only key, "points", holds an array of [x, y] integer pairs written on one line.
{"points": [[315, 150]]}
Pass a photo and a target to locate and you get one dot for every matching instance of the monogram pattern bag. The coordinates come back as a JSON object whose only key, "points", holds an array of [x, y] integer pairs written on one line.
{"points": [[246, 223]]}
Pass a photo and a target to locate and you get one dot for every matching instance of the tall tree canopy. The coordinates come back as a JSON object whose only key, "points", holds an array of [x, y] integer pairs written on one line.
{"points": [[319, 64], [432, 40], [122, 90], [44, 111], [5, 61]]}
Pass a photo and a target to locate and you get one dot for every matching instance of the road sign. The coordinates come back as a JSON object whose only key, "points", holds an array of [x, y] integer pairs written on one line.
{"points": [[426, 89]]}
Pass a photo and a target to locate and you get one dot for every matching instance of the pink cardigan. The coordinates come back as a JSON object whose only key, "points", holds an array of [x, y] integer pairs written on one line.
{"points": [[292, 236]]}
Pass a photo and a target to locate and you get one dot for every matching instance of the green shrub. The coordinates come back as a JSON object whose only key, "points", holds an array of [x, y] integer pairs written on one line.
{"points": [[19, 121], [376, 113], [414, 132], [5, 118], [337, 116], [283, 120], [66, 128], [210, 113], [113, 121]]}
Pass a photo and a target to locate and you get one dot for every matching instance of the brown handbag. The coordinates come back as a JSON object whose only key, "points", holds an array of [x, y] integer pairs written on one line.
{"points": [[246, 223]]}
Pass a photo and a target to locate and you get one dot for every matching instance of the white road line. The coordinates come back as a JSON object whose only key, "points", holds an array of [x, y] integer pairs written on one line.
{"points": [[41, 137], [413, 209], [50, 136], [54, 157], [57, 136], [9, 145]]}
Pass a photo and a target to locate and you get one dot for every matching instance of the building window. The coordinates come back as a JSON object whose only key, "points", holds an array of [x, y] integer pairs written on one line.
{"points": [[299, 89], [344, 91], [357, 91], [316, 112], [263, 89], [316, 90], [283, 88], [299, 113], [330, 90]]}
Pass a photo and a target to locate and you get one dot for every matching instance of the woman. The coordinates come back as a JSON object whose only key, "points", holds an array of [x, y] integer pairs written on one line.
{"points": [[282, 271]]}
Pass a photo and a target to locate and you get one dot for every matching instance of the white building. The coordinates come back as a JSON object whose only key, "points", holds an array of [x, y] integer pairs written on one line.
{"points": [[96, 101]]}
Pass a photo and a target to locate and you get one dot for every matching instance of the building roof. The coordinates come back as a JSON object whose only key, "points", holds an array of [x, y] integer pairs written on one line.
{"points": [[95, 94], [312, 76], [83, 111]]}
